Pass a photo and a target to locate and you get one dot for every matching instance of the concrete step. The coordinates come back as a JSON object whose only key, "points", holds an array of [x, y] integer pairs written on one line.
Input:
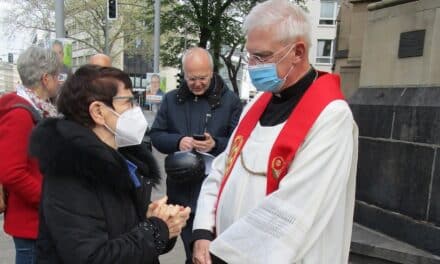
{"points": [[372, 247]]}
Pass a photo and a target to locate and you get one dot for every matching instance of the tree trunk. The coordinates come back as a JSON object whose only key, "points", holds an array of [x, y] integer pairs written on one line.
{"points": [[235, 85], [205, 35], [232, 71]]}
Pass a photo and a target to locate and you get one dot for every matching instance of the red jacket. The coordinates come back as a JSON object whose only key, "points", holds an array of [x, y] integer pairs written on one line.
{"points": [[19, 173]]}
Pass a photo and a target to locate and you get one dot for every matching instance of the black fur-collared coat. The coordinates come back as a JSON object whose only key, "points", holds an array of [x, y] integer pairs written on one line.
{"points": [[90, 210]]}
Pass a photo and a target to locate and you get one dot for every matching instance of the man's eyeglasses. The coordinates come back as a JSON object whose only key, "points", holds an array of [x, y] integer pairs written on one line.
{"points": [[127, 99], [193, 79], [256, 59]]}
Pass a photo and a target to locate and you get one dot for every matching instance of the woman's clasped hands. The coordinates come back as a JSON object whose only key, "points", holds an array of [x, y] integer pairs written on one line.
{"points": [[175, 216]]}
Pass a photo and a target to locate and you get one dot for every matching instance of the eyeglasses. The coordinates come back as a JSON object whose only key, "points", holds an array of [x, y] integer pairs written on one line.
{"points": [[128, 99], [193, 79], [62, 77], [255, 59]]}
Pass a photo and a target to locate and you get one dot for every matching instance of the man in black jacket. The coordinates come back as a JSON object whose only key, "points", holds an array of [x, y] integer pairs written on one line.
{"points": [[201, 116]]}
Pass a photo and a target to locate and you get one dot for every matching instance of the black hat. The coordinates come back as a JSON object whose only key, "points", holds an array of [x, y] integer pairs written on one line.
{"points": [[185, 166]]}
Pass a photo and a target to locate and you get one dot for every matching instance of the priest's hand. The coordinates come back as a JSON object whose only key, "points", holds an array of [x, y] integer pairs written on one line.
{"points": [[201, 252], [204, 145]]}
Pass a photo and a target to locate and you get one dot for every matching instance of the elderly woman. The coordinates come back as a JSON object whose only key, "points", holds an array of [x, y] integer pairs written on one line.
{"points": [[98, 179], [19, 174]]}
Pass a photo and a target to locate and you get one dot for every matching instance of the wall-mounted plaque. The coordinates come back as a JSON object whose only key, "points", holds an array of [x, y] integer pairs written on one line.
{"points": [[411, 44]]}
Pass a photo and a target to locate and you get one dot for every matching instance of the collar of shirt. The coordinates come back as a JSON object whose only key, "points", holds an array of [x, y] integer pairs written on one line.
{"points": [[298, 88]]}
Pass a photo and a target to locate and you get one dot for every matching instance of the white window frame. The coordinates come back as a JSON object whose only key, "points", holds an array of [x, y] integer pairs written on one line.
{"points": [[335, 13], [324, 59]]}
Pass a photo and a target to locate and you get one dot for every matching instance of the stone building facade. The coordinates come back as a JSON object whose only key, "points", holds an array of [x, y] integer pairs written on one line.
{"points": [[388, 55]]}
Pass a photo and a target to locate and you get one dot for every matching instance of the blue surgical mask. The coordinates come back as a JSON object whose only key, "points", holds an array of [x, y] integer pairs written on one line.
{"points": [[265, 77]]}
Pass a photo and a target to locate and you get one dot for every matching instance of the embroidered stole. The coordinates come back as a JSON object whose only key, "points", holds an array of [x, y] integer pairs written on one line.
{"points": [[322, 92]]}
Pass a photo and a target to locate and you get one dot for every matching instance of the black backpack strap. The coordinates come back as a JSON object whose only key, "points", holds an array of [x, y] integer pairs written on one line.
{"points": [[36, 116]]}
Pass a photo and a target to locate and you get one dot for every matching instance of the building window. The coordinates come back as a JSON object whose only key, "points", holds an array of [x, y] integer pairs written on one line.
{"points": [[329, 9], [325, 51]]}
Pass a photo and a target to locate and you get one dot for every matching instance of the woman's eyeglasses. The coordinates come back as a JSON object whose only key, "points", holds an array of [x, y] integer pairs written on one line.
{"points": [[128, 99]]}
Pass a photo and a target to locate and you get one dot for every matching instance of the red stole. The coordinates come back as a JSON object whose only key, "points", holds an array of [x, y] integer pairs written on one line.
{"points": [[322, 92]]}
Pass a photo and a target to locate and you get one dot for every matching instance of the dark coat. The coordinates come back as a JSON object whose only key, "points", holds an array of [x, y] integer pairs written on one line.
{"points": [[184, 114], [90, 211]]}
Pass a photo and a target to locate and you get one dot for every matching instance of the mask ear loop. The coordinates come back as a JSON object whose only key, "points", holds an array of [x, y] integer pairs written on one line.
{"points": [[287, 74], [291, 67], [293, 45], [114, 112], [111, 130]]}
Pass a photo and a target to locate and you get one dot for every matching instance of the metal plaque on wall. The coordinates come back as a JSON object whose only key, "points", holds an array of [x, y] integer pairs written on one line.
{"points": [[411, 44]]}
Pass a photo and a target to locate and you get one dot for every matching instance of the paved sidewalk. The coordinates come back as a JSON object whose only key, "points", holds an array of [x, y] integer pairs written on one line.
{"points": [[7, 252]]}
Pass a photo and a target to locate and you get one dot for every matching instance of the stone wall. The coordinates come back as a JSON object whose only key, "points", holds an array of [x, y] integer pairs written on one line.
{"points": [[352, 25], [398, 184], [397, 108], [381, 65]]}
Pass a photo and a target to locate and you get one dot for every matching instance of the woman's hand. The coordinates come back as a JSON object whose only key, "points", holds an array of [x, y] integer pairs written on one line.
{"points": [[175, 216], [177, 220], [159, 209]]}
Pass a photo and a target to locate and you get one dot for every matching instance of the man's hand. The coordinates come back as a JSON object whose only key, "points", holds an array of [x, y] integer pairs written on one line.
{"points": [[186, 143], [201, 252], [204, 145]]}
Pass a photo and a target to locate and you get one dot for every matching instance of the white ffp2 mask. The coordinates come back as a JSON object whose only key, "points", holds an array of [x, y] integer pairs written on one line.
{"points": [[130, 127]]}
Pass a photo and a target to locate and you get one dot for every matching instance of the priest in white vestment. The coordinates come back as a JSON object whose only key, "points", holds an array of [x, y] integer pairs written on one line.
{"points": [[307, 216]]}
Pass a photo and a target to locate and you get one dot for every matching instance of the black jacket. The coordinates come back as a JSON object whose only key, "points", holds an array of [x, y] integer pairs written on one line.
{"points": [[183, 114], [90, 211]]}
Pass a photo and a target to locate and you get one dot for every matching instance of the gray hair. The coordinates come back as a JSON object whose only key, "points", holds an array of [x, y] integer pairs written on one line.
{"points": [[197, 49], [290, 19], [155, 75], [34, 62]]}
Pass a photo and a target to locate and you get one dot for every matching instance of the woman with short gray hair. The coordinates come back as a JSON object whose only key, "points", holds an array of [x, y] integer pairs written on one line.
{"points": [[19, 174], [38, 69]]}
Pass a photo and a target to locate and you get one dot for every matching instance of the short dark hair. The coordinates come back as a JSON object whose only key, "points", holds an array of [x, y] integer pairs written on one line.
{"points": [[88, 84]]}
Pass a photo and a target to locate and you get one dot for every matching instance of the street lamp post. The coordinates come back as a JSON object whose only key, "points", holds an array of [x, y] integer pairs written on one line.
{"points": [[106, 48], [156, 47], [59, 19]]}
